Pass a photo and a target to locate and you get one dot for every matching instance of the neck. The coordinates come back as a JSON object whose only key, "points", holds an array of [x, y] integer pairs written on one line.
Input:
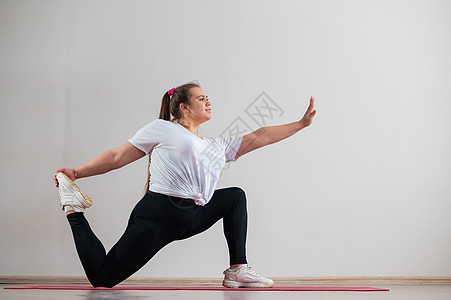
{"points": [[189, 124]]}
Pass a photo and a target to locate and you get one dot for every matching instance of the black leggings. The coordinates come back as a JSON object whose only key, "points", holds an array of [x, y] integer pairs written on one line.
{"points": [[156, 221]]}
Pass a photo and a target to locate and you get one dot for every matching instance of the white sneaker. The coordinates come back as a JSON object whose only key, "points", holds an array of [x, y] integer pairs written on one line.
{"points": [[71, 195], [245, 277]]}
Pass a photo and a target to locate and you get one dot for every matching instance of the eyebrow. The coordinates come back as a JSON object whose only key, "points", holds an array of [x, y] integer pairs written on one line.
{"points": [[202, 96]]}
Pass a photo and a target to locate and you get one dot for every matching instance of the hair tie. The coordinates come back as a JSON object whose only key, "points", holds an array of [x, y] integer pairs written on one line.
{"points": [[171, 91]]}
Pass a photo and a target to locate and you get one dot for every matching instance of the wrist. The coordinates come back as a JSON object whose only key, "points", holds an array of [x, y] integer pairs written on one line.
{"points": [[75, 173], [301, 124]]}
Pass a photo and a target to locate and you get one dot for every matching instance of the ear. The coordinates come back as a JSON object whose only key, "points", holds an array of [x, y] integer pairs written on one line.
{"points": [[184, 107]]}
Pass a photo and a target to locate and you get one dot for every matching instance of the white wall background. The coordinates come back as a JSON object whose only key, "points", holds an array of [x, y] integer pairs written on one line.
{"points": [[364, 191]]}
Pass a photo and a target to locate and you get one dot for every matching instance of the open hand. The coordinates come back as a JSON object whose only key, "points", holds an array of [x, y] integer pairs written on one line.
{"points": [[307, 119]]}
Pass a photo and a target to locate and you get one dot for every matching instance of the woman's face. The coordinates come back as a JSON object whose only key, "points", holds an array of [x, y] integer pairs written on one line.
{"points": [[200, 107]]}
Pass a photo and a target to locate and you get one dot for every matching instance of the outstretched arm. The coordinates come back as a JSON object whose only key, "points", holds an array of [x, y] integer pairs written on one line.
{"points": [[105, 162], [272, 134]]}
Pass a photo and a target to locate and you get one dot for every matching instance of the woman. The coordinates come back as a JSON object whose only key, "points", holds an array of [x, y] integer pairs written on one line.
{"points": [[181, 200]]}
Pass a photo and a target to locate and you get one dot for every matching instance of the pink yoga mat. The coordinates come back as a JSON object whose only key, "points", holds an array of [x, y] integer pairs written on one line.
{"points": [[203, 288]]}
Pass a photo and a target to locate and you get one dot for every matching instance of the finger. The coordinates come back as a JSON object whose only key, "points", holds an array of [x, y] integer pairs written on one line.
{"points": [[311, 105], [56, 180]]}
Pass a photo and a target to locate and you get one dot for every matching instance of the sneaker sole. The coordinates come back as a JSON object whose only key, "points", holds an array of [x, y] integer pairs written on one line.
{"points": [[234, 285], [85, 198]]}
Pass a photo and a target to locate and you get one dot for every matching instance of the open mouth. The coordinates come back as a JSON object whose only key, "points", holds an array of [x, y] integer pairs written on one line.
{"points": [[209, 110]]}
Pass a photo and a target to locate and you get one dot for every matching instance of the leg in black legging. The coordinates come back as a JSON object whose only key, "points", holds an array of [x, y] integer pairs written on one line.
{"points": [[228, 204], [89, 248], [154, 223]]}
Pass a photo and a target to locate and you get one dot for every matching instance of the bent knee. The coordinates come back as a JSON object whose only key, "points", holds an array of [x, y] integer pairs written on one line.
{"points": [[240, 193], [103, 283]]}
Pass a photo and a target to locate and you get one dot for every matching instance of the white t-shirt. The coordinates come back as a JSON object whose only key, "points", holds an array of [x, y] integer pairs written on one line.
{"points": [[182, 164]]}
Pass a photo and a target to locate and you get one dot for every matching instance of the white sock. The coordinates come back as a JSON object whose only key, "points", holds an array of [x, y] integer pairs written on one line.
{"points": [[238, 267], [68, 208]]}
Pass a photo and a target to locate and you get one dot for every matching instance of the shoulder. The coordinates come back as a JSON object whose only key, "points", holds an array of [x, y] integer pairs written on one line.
{"points": [[161, 122], [158, 123]]}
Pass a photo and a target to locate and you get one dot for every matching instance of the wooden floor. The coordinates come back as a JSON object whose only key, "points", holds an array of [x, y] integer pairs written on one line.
{"points": [[397, 292]]}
